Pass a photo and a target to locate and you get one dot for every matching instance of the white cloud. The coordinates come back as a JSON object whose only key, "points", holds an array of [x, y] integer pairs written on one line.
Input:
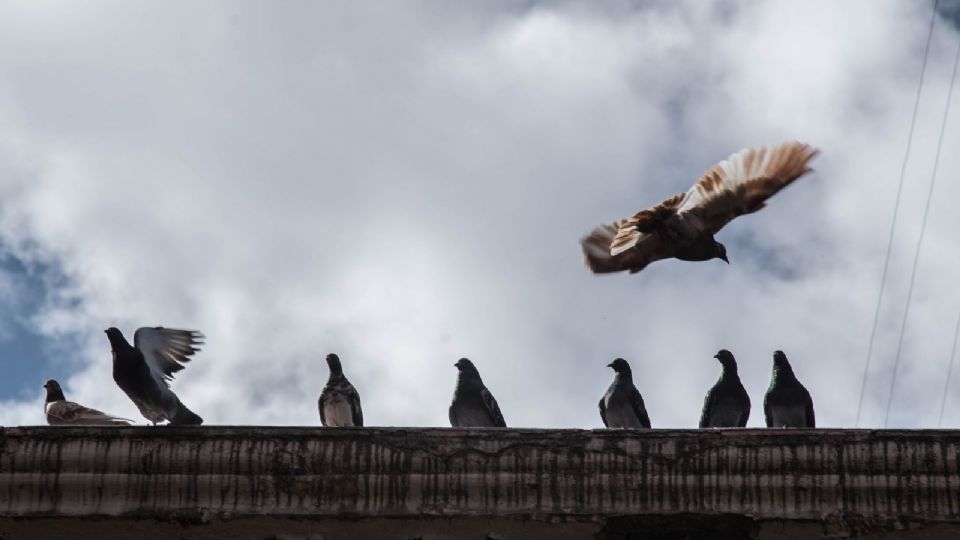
{"points": [[406, 186]]}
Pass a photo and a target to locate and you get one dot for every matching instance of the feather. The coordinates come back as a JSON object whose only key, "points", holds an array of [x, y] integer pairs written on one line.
{"points": [[743, 182], [492, 408], [643, 223], [683, 226], [70, 413], [165, 350]]}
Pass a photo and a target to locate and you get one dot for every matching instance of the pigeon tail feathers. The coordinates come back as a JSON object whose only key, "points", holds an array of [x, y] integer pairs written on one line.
{"points": [[185, 417]]}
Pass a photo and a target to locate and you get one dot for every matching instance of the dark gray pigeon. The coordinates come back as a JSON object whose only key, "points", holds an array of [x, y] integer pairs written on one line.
{"points": [[727, 403], [622, 405], [143, 370], [61, 412], [787, 403], [339, 402], [473, 405]]}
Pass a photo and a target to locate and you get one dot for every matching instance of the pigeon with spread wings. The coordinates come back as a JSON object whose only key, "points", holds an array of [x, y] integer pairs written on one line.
{"points": [[61, 412], [143, 370], [683, 226]]}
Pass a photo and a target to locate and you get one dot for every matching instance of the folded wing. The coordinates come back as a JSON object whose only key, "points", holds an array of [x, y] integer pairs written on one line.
{"points": [[491, 405], [356, 409], [165, 350], [636, 401], [742, 183]]}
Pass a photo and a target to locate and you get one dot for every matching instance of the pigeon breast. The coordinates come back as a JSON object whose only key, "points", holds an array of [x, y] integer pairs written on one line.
{"points": [[336, 410]]}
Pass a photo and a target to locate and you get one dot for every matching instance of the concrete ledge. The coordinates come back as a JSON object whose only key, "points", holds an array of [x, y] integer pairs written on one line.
{"points": [[846, 481]]}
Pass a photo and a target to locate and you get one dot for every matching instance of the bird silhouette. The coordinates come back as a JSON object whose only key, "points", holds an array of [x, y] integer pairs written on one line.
{"points": [[727, 403], [143, 370], [473, 405], [787, 402], [622, 405], [339, 403]]}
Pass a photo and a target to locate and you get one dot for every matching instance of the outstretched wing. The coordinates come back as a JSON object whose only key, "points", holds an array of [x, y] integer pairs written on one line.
{"points": [[629, 244], [68, 412], [743, 182], [166, 349], [491, 405]]}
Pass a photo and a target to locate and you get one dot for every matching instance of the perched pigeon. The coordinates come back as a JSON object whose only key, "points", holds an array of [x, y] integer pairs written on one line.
{"points": [[787, 403], [622, 405], [143, 370], [473, 405], [727, 403], [339, 402], [61, 412], [683, 225]]}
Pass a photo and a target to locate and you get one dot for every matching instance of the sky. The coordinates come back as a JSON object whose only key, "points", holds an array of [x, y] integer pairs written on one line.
{"points": [[405, 184]]}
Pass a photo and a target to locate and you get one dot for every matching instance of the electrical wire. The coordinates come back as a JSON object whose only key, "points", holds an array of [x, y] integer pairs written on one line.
{"points": [[923, 229], [896, 210]]}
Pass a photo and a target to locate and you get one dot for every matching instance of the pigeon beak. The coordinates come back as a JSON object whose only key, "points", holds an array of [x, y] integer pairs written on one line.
{"points": [[610, 365]]}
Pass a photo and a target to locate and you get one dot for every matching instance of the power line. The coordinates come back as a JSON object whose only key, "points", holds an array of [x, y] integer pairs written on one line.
{"points": [[923, 229], [896, 210], [946, 385]]}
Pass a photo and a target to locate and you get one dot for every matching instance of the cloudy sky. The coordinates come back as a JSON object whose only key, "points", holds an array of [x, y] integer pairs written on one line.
{"points": [[405, 184]]}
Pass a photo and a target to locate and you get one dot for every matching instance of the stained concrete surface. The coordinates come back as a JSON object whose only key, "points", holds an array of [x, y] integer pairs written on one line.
{"points": [[269, 482]]}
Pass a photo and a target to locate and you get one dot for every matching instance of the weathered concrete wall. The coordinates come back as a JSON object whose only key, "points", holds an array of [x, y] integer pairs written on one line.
{"points": [[590, 482]]}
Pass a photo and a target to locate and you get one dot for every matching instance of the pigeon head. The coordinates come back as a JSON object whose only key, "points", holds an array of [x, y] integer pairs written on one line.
{"points": [[720, 252], [54, 392], [333, 361], [466, 367], [620, 366], [780, 362], [117, 341], [726, 359]]}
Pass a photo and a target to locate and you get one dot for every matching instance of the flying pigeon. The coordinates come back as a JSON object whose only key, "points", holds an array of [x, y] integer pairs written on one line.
{"points": [[622, 405], [339, 402], [787, 403], [144, 370], [61, 412], [727, 403], [683, 226], [473, 405]]}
